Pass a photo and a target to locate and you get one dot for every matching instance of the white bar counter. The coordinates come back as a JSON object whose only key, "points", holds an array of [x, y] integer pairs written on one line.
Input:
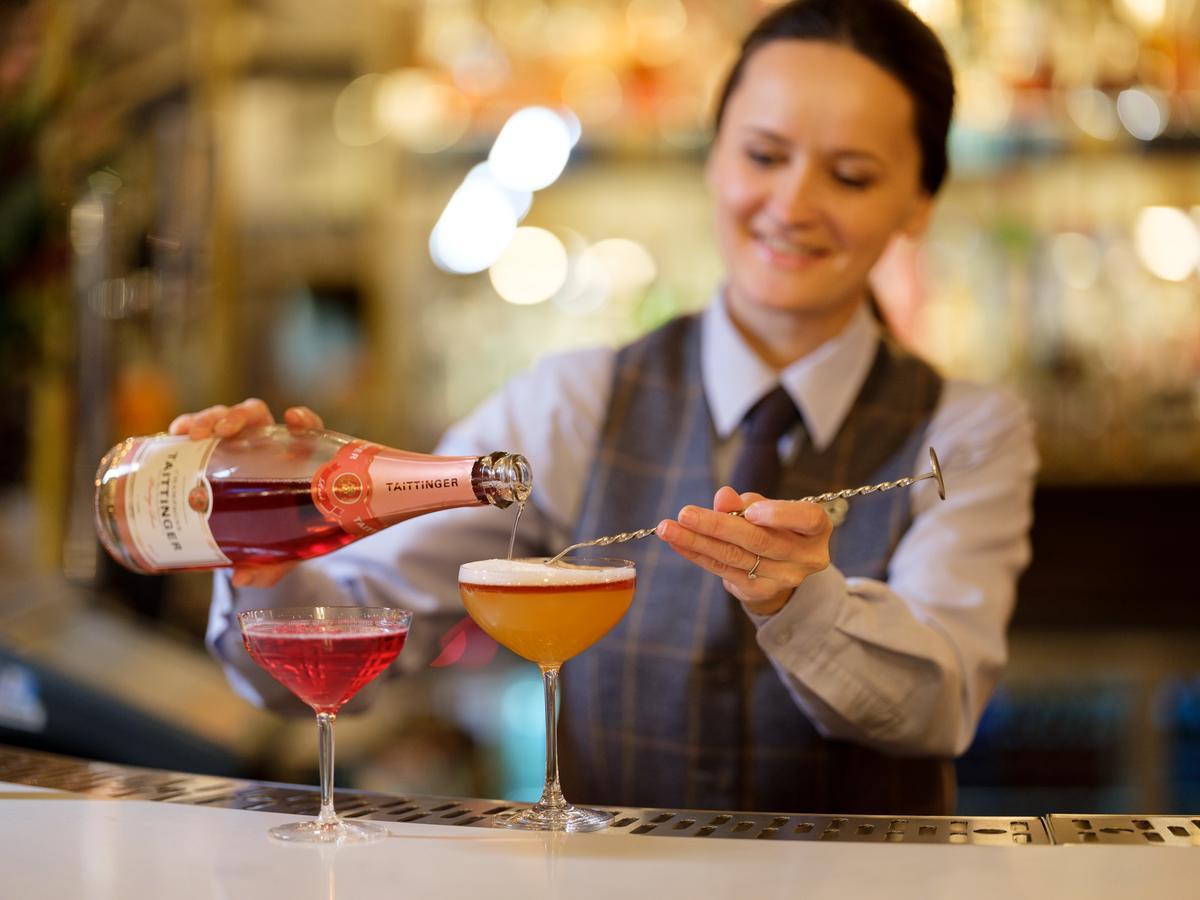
{"points": [[55, 844]]}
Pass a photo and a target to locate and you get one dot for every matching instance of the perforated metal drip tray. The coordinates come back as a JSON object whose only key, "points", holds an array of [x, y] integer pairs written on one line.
{"points": [[113, 781], [1140, 831]]}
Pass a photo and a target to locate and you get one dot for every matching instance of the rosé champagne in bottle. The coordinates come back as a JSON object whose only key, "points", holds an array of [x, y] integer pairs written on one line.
{"points": [[275, 493]]}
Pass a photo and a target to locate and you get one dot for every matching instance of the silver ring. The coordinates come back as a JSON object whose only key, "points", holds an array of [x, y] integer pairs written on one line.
{"points": [[752, 572]]}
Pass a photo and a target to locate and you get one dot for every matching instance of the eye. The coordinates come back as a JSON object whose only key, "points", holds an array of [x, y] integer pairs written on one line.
{"points": [[764, 158], [854, 180]]}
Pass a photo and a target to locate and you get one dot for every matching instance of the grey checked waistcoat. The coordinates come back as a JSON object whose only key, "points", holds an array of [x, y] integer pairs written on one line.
{"points": [[677, 706]]}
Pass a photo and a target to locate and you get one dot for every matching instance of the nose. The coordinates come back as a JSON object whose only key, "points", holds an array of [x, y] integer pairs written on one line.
{"points": [[795, 196]]}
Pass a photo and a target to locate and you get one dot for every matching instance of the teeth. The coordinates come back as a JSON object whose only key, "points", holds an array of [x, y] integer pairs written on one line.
{"points": [[779, 245]]}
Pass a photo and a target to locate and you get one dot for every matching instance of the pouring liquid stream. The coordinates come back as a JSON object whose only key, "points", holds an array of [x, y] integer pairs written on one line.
{"points": [[512, 539]]}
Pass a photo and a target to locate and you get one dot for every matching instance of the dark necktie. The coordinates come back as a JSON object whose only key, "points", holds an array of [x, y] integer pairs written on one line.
{"points": [[757, 467]]}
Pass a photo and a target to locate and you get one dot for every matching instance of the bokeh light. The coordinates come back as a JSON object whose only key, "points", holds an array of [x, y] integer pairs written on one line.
{"points": [[418, 111], [474, 228], [1148, 14], [531, 269], [626, 267], [354, 120], [531, 150], [1094, 112], [1142, 114], [986, 101], [520, 201], [1167, 242]]}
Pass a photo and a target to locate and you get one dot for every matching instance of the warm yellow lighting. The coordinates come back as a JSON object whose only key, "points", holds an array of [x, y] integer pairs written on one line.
{"points": [[655, 30], [450, 32], [1167, 242], [517, 23], [532, 149], [1094, 112], [1115, 50], [531, 269], [586, 288], [1143, 114], [986, 103], [1147, 13], [937, 13], [1076, 259], [626, 265], [465, 48], [594, 91], [575, 30], [682, 121], [354, 121], [419, 111]]}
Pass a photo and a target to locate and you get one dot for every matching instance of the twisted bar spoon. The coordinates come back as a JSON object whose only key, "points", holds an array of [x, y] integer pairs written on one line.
{"points": [[934, 472]]}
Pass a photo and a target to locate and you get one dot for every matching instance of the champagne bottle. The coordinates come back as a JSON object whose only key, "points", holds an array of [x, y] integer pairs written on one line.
{"points": [[274, 493]]}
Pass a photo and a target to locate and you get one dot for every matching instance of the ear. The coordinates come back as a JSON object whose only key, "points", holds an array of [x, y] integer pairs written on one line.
{"points": [[917, 222]]}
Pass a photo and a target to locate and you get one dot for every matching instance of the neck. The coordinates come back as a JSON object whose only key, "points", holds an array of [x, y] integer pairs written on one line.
{"points": [[780, 337]]}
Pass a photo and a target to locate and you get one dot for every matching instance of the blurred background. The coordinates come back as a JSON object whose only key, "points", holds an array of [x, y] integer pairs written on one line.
{"points": [[202, 200]]}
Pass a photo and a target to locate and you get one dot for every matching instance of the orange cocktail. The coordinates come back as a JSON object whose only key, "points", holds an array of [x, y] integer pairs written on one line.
{"points": [[548, 623], [547, 614]]}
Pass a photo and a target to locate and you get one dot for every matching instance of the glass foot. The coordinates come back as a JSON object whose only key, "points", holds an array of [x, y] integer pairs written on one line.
{"points": [[339, 832], [546, 818]]}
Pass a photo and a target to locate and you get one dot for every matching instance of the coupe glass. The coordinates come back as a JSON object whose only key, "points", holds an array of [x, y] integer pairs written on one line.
{"points": [[324, 655], [547, 614]]}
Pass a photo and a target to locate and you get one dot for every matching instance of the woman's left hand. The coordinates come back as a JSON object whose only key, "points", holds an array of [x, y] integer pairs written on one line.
{"points": [[781, 542]]}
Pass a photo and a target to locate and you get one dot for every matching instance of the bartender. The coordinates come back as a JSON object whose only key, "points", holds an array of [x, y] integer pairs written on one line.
{"points": [[773, 660]]}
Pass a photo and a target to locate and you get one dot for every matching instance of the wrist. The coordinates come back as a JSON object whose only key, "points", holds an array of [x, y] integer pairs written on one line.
{"points": [[770, 606]]}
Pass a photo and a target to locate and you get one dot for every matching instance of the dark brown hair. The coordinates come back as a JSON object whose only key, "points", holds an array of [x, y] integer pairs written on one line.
{"points": [[891, 36]]}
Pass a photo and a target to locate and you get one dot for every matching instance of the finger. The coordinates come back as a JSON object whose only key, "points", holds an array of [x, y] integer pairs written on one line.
{"points": [[726, 500], [180, 424], [737, 530], [250, 413], [303, 417], [735, 580], [730, 555], [791, 515], [202, 423]]}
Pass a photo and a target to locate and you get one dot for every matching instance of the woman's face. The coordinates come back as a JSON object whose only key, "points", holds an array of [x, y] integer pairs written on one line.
{"points": [[815, 167]]}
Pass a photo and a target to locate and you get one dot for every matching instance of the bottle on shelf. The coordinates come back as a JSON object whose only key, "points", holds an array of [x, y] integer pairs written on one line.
{"points": [[274, 493]]}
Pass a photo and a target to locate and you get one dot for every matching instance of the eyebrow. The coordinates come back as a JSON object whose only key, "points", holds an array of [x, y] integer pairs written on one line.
{"points": [[848, 152]]}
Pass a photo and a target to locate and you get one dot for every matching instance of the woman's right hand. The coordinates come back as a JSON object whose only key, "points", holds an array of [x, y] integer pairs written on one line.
{"points": [[226, 421]]}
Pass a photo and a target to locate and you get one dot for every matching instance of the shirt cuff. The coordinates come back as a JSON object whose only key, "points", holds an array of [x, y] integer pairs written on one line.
{"points": [[808, 616]]}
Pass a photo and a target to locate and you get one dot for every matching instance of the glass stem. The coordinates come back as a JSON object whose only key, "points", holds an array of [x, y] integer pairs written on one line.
{"points": [[552, 796], [325, 762]]}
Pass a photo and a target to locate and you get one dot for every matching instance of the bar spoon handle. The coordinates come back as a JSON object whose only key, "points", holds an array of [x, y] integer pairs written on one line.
{"points": [[935, 472]]}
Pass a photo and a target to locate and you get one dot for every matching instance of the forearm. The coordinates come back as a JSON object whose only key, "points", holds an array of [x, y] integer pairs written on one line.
{"points": [[907, 666], [864, 668]]}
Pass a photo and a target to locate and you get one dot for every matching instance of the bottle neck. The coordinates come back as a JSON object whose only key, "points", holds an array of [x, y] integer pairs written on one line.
{"points": [[366, 487], [502, 479]]}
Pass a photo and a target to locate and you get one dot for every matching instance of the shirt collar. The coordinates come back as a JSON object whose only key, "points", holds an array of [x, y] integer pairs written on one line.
{"points": [[822, 384]]}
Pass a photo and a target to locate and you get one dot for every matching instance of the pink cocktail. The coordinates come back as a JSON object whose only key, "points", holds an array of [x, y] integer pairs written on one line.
{"points": [[324, 655]]}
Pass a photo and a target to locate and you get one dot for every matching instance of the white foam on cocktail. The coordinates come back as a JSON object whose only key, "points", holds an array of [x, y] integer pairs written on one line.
{"points": [[535, 573]]}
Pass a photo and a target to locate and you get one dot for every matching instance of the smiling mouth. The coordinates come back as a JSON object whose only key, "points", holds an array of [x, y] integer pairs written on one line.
{"points": [[781, 251]]}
